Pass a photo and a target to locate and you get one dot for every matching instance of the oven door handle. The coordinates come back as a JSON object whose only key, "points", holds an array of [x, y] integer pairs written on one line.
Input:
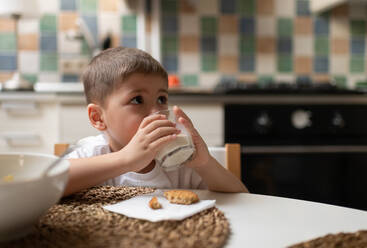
{"points": [[302, 149]]}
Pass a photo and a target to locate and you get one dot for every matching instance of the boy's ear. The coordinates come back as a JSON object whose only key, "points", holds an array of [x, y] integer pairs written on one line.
{"points": [[95, 115]]}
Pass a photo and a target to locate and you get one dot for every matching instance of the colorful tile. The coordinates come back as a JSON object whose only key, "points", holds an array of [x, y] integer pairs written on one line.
{"points": [[8, 62], [265, 45], [265, 7], [246, 7], [339, 64], [186, 6], [48, 43], [4, 76], [129, 25], [70, 78], [29, 62], [339, 46], [209, 62], [247, 26], [108, 5], [207, 7], [68, 21], [303, 7], [227, 6], [228, 64], [28, 42], [303, 45], [247, 45], [29, 26], [170, 24], [321, 45], [189, 63], [170, 62], [208, 44], [358, 28], [321, 25], [321, 64], [169, 6], [303, 65], [129, 41], [228, 24], [285, 8], [284, 45], [69, 5], [189, 24], [358, 45], [339, 27], [7, 25], [266, 26], [265, 64], [88, 6], [228, 45], [247, 63], [285, 27], [189, 43], [49, 62], [284, 63], [190, 80], [357, 64], [7, 42], [303, 25], [48, 23], [209, 26], [169, 44]]}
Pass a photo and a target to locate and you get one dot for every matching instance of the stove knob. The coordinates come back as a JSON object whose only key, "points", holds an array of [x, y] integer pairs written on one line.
{"points": [[301, 119], [263, 123], [338, 120]]}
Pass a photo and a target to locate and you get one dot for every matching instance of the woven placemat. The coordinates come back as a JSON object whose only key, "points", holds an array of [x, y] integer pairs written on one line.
{"points": [[80, 221], [339, 240]]}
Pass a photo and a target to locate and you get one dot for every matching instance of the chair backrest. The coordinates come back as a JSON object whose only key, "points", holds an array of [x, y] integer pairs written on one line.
{"points": [[229, 156]]}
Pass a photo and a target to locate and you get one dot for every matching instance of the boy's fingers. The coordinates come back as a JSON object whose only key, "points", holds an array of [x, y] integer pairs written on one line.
{"points": [[156, 124], [161, 132], [151, 118], [179, 112], [159, 143]]}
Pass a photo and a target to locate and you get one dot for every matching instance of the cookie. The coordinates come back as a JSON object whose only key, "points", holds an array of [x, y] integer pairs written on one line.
{"points": [[181, 197], [154, 204]]}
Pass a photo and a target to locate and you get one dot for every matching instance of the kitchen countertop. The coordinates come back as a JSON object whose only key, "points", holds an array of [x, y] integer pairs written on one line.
{"points": [[195, 96]]}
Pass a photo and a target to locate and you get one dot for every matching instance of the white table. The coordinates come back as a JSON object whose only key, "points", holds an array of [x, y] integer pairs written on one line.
{"points": [[267, 221]]}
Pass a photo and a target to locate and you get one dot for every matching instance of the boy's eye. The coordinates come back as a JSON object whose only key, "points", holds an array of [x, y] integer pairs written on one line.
{"points": [[137, 100], [162, 99]]}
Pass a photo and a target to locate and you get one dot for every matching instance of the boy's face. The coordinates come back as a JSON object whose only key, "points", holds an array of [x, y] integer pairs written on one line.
{"points": [[138, 96]]}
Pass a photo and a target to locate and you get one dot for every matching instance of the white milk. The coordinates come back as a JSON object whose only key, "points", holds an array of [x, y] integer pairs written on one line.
{"points": [[176, 152]]}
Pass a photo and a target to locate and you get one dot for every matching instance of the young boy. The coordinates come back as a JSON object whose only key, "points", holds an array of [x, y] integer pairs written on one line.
{"points": [[123, 87]]}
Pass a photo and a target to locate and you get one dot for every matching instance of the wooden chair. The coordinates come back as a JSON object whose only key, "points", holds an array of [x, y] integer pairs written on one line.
{"points": [[229, 156]]}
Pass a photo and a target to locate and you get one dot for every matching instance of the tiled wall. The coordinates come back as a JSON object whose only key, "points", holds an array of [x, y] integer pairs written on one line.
{"points": [[202, 40]]}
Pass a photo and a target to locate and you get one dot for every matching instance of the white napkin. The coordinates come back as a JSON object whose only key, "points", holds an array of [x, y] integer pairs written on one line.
{"points": [[138, 207]]}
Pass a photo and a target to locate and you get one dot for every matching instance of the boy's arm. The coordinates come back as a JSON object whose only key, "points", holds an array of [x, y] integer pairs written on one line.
{"points": [[218, 178], [88, 172]]}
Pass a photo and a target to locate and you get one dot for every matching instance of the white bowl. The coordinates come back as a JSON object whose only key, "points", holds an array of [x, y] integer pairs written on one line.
{"points": [[28, 194]]}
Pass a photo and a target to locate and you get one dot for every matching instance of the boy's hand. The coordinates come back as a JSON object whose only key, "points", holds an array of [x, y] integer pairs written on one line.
{"points": [[201, 155], [153, 133]]}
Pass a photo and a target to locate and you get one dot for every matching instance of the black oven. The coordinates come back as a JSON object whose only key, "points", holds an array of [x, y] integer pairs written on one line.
{"points": [[303, 147]]}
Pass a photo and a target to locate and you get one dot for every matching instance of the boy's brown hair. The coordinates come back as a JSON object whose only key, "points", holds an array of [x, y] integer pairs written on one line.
{"points": [[110, 68]]}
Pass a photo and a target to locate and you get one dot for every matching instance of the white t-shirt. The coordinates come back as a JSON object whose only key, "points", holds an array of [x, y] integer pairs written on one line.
{"points": [[183, 177]]}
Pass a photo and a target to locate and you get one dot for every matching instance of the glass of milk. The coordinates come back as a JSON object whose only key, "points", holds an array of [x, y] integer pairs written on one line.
{"points": [[177, 151]]}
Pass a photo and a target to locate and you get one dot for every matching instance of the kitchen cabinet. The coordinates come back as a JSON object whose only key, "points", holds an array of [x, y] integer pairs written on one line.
{"points": [[34, 122], [28, 125]]}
